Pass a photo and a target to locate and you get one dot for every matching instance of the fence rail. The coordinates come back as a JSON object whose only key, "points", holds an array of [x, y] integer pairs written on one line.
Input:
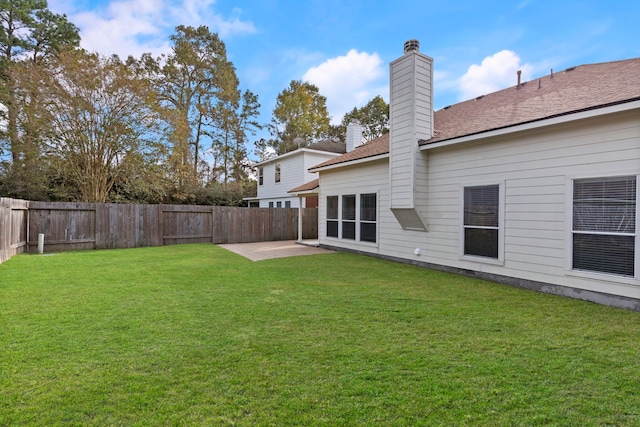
{"points": [[80, 226]]}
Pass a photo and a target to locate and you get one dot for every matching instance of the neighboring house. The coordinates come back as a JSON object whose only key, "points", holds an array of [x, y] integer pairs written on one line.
{"points": [[535, 185], [280, 174]]}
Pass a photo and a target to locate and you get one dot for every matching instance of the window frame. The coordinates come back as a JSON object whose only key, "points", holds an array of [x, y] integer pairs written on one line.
{"points": [[278, 172], [260, 175], [363, 222], [334, 219], [571, 232], [499, 260], [348, 220], [354, 221]]}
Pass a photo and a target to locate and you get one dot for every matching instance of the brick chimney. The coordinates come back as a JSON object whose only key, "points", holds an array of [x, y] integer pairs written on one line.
{"points": [[411, 120]]}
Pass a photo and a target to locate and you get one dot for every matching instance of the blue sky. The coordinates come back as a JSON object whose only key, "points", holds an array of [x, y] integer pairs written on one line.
{"points": [[344, 47]]}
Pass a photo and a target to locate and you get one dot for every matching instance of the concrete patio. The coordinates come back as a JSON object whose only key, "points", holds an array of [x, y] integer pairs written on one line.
{"points": [[279, 249]]}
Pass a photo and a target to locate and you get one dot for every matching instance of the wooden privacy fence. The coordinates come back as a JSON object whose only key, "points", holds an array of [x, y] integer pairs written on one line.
{"points": [[78, 226], [14, 231]]}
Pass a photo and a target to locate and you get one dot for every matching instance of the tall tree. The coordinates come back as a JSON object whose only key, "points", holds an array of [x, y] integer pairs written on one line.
{"points": [[103, 117], [226, 122], [373, 116], [192, 81], [247, 124], [300, 114], [29, 32], [233, 123], [26, 177], [52, 34]]}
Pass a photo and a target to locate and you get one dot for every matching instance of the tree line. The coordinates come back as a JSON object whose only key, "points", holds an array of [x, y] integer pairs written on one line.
{"points": [[80, 126]]}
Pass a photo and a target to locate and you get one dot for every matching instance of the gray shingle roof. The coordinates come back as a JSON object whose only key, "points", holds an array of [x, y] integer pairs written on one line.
{"points": [[307, 186], [328, 145], [575, 89], [572, 90], [371, 148]]}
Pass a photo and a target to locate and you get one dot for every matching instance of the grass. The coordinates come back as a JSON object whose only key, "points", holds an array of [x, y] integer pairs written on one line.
{"points": [[196, 335]]}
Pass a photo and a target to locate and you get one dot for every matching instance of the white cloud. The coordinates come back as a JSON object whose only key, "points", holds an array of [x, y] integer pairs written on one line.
{"points": [[124, 27], [348, 81], [132, 27], [496, 72]]}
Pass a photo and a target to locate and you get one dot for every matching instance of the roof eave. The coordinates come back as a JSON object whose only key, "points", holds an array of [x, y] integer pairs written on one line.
{"points": [[295, 152], [562, 118], [349, 163]]}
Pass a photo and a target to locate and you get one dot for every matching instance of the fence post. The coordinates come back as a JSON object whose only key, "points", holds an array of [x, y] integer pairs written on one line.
{"points": [[40, 243], [5, 215], [299, 218]]}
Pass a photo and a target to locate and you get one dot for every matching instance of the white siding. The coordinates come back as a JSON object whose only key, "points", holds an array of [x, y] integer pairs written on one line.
{"points": [[370, 177], [312, 158], [534, 168], [293, 173]]}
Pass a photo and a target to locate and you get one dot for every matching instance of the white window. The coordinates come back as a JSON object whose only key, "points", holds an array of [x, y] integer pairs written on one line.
{"points": [[353, 217], [368, 217], [604, 225], [332, 216], [277, 172], [349, 217], [482, 221], [260, 175], [287, 204]]}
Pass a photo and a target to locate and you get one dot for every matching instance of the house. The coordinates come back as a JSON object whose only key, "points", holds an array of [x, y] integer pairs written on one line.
{"points": [[280, 174], [534, 186]]}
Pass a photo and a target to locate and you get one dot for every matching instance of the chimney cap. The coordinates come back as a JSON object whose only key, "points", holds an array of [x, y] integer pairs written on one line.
{"points": [[410, 45]]}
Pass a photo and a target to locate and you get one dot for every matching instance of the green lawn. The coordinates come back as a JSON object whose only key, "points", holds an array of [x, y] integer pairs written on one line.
{"points": [[196, 335]]}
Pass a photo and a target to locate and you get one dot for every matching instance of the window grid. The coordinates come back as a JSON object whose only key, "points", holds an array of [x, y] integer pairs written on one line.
{"points": [[352, 217]]}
